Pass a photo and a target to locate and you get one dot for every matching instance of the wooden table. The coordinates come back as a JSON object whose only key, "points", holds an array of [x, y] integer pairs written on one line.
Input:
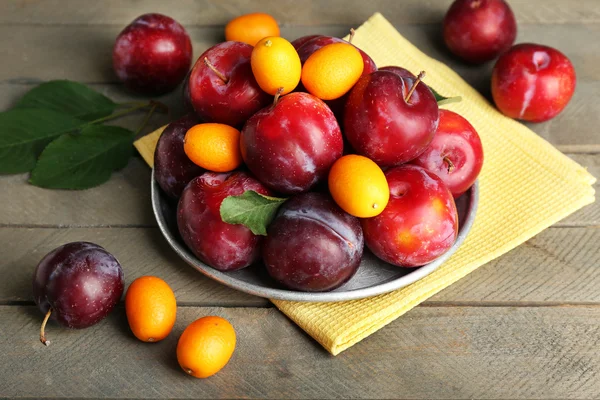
{"points": [[526, 325]]}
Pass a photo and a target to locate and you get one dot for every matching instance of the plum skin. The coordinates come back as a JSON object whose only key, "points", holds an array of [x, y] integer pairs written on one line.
{"points": [[479, 30], [81, 282], [455, 154], [223, 246], [533, 82], [420, 222], [291, 146], [312, 245], [173, 170], [152, 55], [231, 102], [380, 124]]}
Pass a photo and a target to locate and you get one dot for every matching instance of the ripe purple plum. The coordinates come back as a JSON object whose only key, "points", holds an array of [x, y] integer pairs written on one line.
{"points": [[312, 245], [152, 54], [479, 30], [389, 118], [173, 170], [419, 223], [77, 284], [223, 246], [222, 87], [291, 145]]}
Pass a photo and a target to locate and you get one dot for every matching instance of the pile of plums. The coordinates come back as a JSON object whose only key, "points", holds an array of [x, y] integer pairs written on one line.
{"points": [[288, 146], [430, 156]]}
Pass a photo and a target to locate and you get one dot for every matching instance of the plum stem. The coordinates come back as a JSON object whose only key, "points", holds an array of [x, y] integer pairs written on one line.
{"points": [[449, 164], [43, 327], [145, 121], [414, 86], [277, 96], [215, 70], [352, 33]]}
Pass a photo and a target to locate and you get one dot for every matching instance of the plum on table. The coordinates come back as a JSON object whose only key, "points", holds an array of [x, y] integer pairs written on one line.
{"points": [[77, 284], [152, 55]]}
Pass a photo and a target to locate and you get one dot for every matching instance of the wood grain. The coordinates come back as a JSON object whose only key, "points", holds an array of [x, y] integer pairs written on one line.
{"points": [[308, 12], [430, 353], [123, 200], [140, 252], [556, 266], [83, 53]]}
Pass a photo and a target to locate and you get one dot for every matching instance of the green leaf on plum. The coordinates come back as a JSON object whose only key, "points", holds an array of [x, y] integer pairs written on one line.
{"points": [[68, 97], [441, 100], [25, 132], [84, 160], [251, 209]]}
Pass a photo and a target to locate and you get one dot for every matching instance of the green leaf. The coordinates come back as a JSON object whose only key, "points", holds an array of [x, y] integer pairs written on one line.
{"points": [[70, 98], [441, 100], [251, 209], [25, 132], [85, 160]]}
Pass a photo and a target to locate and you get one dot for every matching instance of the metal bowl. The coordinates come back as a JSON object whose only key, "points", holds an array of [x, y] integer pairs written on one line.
{"points": [[372, 278]]}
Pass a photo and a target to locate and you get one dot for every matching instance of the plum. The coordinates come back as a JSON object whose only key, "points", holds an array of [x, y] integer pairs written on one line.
{"points": [[297, 43], [455, 154], [173, 170], [222, 87], [77, 284], [419, 223], [533, 82], [479, 30], [291, 145], [312, 245], [152, 54], [223, 246], [389, 118]]}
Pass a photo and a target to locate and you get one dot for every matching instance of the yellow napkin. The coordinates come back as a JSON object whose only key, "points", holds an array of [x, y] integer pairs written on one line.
{"points": [[526, 185]]}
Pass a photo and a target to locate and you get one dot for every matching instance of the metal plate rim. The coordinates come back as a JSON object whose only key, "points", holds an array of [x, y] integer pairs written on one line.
{"points": [[290, 295]]}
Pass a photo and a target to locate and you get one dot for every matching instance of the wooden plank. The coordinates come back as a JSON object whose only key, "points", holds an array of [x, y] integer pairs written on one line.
{"points": [[83, 53], [140, 252], [589, 215], [310, 12], [123, 200], [430, 353], [557, 266]]}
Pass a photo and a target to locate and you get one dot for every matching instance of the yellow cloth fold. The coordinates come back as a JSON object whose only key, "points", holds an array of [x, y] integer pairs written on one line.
{"points": [[526, 185]]}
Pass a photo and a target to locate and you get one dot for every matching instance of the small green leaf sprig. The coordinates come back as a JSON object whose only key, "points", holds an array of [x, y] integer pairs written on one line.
{"points": [[56, 131]]}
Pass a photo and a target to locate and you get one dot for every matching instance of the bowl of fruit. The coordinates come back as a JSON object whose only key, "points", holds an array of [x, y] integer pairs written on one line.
{"points": [[304, 173]]}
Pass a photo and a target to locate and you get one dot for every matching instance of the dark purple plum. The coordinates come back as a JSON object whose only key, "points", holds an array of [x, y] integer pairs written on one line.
{"points": [[77, 284], [173, 170], [223, 246], [312, 245]]}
